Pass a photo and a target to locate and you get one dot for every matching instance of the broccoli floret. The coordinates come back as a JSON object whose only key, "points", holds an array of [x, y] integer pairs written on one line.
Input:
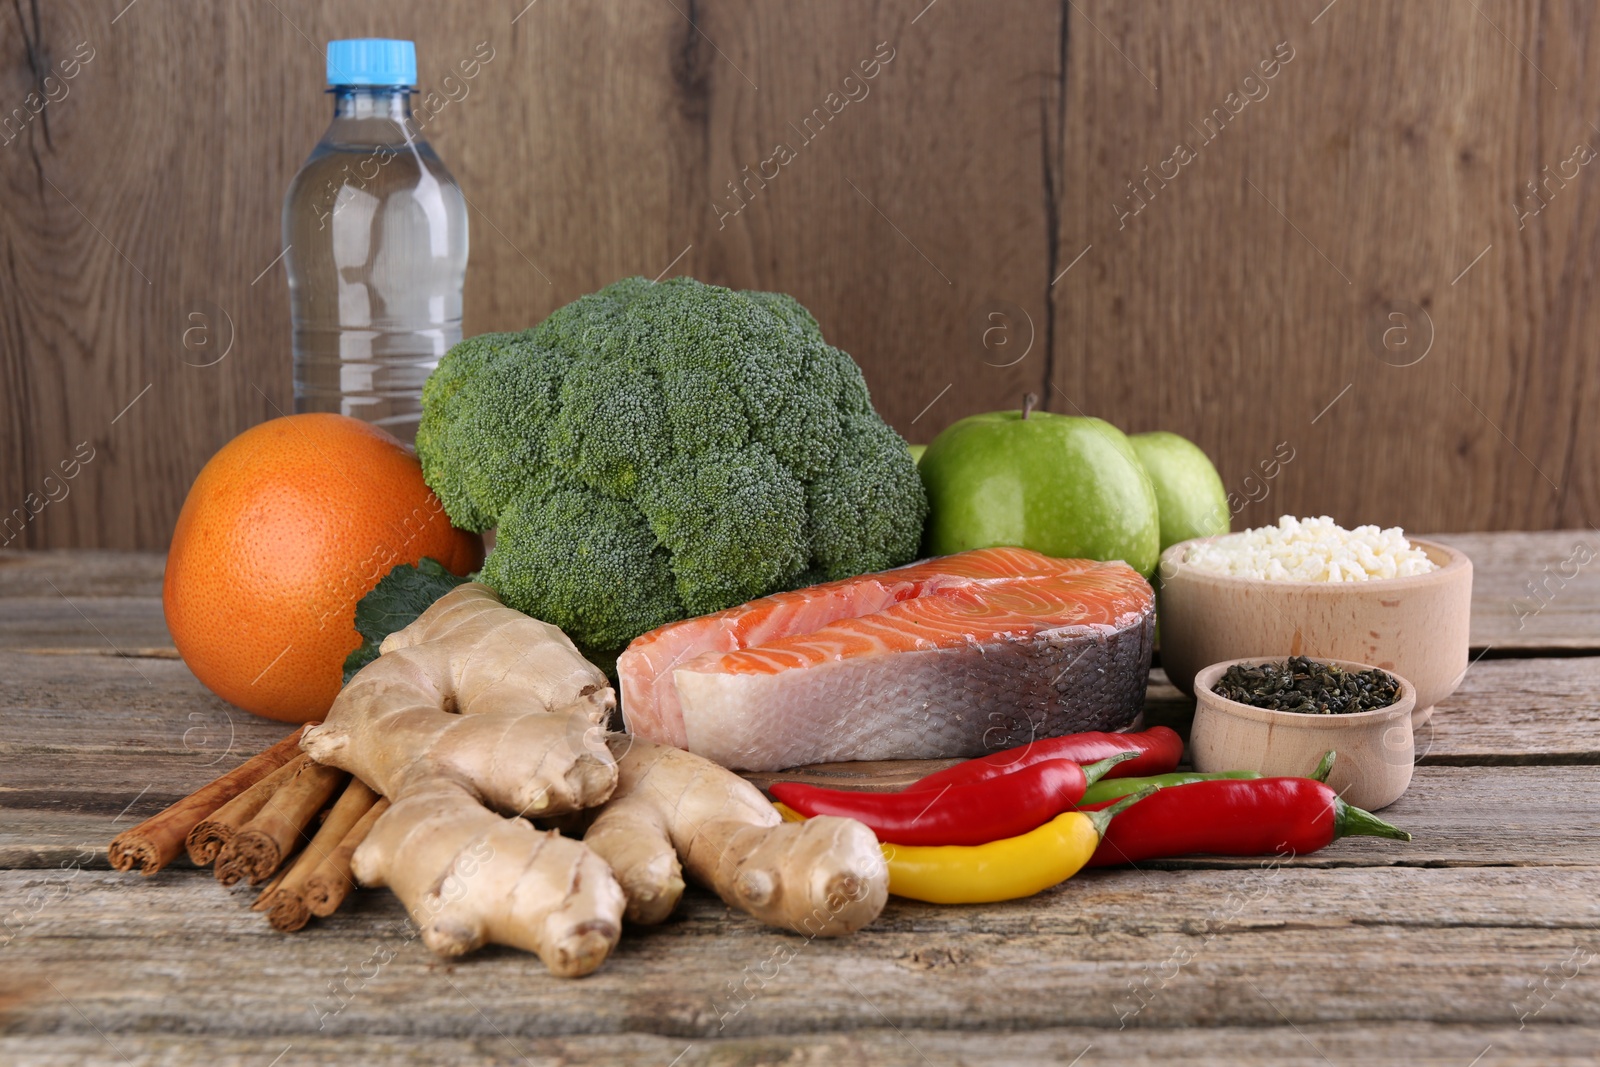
{"points": [[490, 399], [866, 513], [735, 523], [609, 428], [656, 450], [587, 558]]}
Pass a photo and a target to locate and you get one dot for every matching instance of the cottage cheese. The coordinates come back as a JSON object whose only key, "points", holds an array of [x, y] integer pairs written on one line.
{"points": [[1311, 550]]}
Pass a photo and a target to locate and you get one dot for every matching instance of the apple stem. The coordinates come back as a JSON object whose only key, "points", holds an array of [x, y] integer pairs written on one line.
{"points": [[1027, 404]]}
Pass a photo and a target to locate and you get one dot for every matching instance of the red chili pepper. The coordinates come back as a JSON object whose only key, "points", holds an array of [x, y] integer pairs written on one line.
{"points": [[971, 813], [1159, 750], [1235, 817]]}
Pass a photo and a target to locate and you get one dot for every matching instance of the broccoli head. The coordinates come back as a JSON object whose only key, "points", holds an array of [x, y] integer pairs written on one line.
{"points": [[652, 451]]}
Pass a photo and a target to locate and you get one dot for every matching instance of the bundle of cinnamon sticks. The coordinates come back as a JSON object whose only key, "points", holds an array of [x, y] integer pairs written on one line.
{"points": [[249, 823]]}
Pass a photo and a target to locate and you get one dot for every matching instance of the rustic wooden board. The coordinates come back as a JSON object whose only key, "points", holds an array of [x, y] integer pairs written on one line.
{"points": [[156, 715], [1539, 815], [986, 156], [1268, 896], [152, 734], [1518, 711], [1258, 280], [1531, 591], [81, 573], [1526, 710], [118, 626], [1246, 947], [597, 143], [874, 226], [1534, 591], [1523, 816], [1377, 1044], [1437, 950]]}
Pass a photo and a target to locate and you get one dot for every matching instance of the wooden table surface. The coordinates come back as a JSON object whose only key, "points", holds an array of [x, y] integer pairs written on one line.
{"points": [[1478, 943]]}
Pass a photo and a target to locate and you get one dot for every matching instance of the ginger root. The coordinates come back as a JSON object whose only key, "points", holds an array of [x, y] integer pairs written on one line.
{"points": [[824, 877], [475, 707], [476, 716]]}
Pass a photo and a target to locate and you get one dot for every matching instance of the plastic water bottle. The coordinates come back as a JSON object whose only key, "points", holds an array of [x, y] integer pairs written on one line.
{"points": [[375, 238]]}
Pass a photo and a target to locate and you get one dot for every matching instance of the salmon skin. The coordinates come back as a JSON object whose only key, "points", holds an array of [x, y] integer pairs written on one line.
{"points": [[951, 657]]}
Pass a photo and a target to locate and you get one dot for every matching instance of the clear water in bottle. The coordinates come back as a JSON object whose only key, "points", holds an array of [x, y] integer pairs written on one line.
{"points": [[376, 236]]}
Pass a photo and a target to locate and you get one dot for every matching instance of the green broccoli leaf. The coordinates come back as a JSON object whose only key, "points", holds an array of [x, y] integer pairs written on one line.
{"points": [[394, 603]]}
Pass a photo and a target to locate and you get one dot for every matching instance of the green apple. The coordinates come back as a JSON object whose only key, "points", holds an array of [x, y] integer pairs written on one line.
{"points": [[1063, 485], [916, 452], [1189, 491]]}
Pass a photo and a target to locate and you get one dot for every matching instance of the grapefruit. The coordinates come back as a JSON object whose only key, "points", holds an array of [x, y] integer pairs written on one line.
{"points": [[284, 530]]}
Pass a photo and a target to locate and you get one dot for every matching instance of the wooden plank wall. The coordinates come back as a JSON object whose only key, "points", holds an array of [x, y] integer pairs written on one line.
{"points": [[977, 221]]}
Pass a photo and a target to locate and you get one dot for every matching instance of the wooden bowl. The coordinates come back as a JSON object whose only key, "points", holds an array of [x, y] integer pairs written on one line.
{"points": [[1375, 748], [1416, 626]]}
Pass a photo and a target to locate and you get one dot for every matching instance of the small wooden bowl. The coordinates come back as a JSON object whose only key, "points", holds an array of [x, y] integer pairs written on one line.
{"points": [[1416, 627], [1375, 748]]}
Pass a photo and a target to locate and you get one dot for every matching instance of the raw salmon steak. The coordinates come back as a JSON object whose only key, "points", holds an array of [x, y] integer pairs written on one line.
{"points": [[956, 656]]}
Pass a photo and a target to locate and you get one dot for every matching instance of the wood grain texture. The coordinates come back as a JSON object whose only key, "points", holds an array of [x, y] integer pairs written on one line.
{"points": [[108, 625], [1513, 816], [1236, 295], [1374, 1044], [929, 223], [1531, 592], [598, 142], [1217, 948], [1260, 899], [58, 706], [81, 573], [152, 734], [1476, 940]]}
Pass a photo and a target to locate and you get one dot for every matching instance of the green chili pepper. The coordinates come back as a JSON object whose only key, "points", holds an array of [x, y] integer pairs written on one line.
{"points": [[1113, 788]]}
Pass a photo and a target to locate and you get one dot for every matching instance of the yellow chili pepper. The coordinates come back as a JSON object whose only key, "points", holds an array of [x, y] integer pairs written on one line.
{"points": [[1007, 869], [788, 813]]}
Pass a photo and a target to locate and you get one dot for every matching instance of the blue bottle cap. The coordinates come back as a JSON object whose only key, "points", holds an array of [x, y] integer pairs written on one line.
{"points": [[372, 61]]}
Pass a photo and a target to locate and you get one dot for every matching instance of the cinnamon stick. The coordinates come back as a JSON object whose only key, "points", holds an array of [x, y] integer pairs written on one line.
{"points": [[257, 850], [264, 900], [210, 835], [157, 841], [329, 884], [288, 910]]}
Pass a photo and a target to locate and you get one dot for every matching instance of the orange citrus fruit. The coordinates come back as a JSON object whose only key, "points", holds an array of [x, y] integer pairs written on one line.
{"points": [[285, 529]]}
